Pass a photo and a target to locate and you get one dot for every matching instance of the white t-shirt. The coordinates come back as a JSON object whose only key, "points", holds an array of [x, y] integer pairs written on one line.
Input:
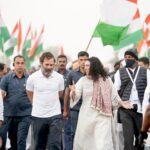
{"points": [[45, 93]]}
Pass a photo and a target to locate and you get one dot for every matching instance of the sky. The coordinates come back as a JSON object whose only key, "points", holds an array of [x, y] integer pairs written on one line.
{"points": [[68, 23]]}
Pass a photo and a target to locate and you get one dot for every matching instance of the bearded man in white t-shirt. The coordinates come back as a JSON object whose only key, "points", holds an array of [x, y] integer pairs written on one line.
{"points": [[44, 87]]}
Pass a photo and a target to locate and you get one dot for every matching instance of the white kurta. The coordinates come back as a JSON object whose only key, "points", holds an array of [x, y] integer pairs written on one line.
{"points": [[94, 131]]}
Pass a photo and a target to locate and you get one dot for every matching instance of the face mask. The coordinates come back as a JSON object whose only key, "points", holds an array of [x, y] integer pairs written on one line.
{"points": [[130, 63]]}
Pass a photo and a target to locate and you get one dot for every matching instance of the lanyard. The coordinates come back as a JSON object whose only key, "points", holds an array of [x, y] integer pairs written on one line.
{"points": [[133, 80]]}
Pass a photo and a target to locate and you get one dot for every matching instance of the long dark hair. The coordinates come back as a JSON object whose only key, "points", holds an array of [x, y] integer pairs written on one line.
{"points": [[96, 69]]}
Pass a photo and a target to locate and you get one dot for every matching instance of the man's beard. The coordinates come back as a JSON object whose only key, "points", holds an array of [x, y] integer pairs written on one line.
{"points": [[46, 72]]}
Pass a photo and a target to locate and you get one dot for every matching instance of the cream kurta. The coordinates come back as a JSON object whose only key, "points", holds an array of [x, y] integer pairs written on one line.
{"points": [[94, 131]]}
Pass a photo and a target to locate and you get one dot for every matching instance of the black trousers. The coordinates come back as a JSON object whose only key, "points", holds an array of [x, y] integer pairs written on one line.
{"points": [[132, 122], [2, 136], [17, 128], [47, 131]]}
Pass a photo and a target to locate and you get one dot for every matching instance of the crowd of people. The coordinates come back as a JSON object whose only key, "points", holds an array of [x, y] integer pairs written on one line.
{"points": [[75, 108]]}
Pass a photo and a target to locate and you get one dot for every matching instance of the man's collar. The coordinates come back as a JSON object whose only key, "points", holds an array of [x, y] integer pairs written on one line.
{"points": [[14, 75], [60, 71], [133, 69], [78, 70]]}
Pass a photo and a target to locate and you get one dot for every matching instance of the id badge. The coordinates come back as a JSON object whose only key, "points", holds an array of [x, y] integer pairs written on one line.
{"points": [[135, 93]]}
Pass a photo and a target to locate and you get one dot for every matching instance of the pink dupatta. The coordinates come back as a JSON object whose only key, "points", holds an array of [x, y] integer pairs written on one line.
{"points": [[101, 99]]}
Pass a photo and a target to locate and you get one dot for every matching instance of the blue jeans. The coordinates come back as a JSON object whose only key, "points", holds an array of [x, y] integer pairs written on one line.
{"points": [[17, 128], [3, 135], [67, 134], [74, 120]]}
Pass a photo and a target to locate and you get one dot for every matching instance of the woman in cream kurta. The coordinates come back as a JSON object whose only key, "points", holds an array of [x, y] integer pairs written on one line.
{"points": [[99, 97], [94, 130]]}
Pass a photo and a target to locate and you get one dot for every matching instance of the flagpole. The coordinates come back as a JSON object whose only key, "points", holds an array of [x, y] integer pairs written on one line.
{"points": [[90, 40], [89, 44]]}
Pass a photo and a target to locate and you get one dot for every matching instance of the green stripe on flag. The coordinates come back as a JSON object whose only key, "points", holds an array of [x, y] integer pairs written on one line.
{"points": [[110, 35], [39, 49], [25, 51], [129, 39], [1, 44], [9, 45], [5, 34], [9, 52]]}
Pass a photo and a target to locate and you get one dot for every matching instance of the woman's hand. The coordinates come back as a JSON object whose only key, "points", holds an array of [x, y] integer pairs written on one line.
{"points": [[126, 104]]}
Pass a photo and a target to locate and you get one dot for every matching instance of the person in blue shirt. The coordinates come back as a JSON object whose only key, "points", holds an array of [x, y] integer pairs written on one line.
{"points": [[61, 68], [74, 76], [17, 107]]}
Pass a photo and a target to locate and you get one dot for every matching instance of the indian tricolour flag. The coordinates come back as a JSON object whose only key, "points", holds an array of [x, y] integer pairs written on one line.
{"points": [[19, 39], [9, 45], [38, 45], [115, 17], [144, 44], [134, 33], [4, 33], [1, 43], [27, 46]]}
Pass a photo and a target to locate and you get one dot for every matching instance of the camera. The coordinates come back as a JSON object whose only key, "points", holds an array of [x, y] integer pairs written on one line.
{"points": [[135, 107]]}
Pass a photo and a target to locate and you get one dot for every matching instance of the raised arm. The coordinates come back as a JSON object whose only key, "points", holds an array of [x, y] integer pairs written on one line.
{"points": [[76, 92]]}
